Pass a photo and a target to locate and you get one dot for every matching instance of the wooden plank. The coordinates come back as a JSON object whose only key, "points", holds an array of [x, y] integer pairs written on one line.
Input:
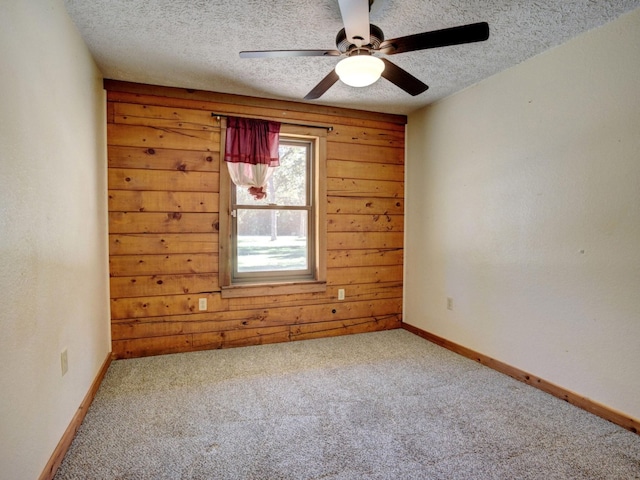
{"points": [[131, 348], [219, 339], [219, 320], [163, 305], [360, 292], [361, 258], [142, 347], [305, 117], [165, 264], [130, 329], [365, 223], [163, 180], [274, 317], [364, 240], [157, 137], [369, 291], [364, 206], [162, 284], [347, 187], [366, 171], [283, 115], [138, 90], [297, 312], [145, 201], [163, 243], [157, 116], [355, 152], [163, 159], [344, 327], [149, 222], [241, 338], [366, 136], [255, 311], [368, 274]]}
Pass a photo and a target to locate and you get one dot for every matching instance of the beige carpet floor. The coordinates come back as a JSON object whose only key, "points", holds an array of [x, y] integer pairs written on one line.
{"points": [[386, 405]]}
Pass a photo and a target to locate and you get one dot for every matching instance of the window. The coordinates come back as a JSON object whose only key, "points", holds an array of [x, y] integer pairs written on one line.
{"points": [[276, 245]]}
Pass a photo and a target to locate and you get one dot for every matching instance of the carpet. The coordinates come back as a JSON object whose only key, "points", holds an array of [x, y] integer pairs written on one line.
{"points": [[384, 405]]}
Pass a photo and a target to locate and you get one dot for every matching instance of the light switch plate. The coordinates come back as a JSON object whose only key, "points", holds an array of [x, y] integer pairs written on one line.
{"points": [[202, 304]]}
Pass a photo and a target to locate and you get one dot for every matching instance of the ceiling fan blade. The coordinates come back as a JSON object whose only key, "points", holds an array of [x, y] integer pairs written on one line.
{"points": [[325, 84], [289, 53], [474, 32], [355, 16], [402, 78]]}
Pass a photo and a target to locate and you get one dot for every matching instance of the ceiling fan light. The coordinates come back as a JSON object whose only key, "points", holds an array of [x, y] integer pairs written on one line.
{"points": [[360, 70]]}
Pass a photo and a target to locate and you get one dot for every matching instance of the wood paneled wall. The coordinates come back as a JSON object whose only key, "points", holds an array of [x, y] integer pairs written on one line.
{"points": [[163, 150]]}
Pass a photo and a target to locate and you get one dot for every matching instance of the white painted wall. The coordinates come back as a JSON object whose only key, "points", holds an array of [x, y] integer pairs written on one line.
{"points": [[523, 205], [53, 230]]}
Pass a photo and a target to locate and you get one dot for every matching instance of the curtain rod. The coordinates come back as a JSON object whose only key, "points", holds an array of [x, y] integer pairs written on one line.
{"points": [[328, 128]]}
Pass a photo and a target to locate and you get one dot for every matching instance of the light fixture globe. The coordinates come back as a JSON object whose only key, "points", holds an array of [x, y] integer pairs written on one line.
{"points": [[360, 70]]}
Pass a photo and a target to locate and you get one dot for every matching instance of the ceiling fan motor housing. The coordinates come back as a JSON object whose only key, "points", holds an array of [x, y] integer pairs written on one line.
{"points": [[376, 37]]}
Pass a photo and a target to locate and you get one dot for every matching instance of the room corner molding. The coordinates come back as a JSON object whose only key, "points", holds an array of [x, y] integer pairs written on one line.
{"points": [[573, 398]]}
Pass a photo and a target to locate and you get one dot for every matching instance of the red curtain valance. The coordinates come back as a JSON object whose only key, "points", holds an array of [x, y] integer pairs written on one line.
{"points": [[251, 153], [252, 141]]}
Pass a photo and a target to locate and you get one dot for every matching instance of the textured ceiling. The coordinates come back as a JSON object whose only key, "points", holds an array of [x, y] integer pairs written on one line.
{"points": [[195, 43]]}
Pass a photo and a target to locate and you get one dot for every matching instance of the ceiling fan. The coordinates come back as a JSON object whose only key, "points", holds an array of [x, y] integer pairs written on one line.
{"points": [[359, 40]]}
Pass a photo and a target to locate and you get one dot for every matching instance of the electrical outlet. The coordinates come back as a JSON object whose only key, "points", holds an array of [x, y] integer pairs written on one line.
{"points": [[64, 362], [341, 294], [202, 304], [449, 303]]}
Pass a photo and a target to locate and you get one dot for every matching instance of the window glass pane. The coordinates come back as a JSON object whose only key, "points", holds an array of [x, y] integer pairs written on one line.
{"points": [[288, 184], [272, 240]]}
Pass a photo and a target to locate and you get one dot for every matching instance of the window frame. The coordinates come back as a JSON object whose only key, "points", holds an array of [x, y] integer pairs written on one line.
{"points": [[257, 286]]}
